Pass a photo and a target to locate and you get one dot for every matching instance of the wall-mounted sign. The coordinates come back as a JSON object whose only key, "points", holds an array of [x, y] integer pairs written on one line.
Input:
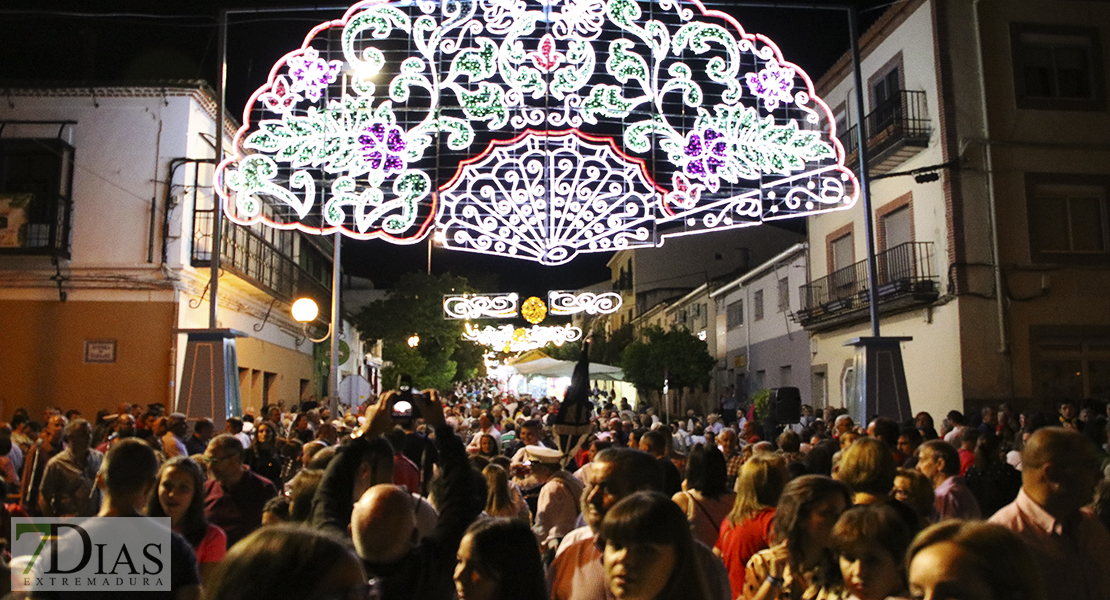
{"points": [[100, 351]]}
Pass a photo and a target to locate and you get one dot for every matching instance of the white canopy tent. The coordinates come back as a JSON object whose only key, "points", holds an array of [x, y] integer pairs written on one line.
{"points": [[526, 373], [545, 366]]}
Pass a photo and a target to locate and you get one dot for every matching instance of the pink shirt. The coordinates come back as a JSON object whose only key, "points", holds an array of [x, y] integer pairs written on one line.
{"points": [[1074, 556], [557, 508], [955, 501]]}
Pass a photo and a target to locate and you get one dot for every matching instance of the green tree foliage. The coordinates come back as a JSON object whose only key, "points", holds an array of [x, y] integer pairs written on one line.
{"points": [[415, 307], [608, 349], [674, 351]]}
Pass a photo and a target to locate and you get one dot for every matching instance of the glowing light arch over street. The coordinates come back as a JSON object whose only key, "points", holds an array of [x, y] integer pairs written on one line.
{"points": [[538, 129]]}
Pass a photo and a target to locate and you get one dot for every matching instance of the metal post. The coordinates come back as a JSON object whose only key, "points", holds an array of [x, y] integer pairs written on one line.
{"points": [[217, 209], [333, 377], [865, 192]]}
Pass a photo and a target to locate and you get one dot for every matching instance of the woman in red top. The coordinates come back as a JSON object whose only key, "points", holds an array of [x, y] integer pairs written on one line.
{"points": [[180, 497], [747, 529]]}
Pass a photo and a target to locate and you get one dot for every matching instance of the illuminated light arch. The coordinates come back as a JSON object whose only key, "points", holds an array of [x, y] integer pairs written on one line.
{"points": [[507, 338], [572, 303], [479, 306], [372, 126]]}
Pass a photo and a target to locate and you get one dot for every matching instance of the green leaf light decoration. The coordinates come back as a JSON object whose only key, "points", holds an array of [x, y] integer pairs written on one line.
{"points": [[538, 129]]}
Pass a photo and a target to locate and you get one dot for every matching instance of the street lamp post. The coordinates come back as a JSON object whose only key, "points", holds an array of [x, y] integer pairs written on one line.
{"points": [[305, 311], [333, 376]]}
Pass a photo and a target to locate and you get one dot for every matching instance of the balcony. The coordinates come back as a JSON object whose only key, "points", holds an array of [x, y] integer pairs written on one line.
{"points": [[906, 279], [896, 130], [254, 259], [36, 182]]}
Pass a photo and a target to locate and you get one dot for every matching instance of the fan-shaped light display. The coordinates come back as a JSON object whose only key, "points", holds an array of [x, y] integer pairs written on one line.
{"points": [[538, 129]]}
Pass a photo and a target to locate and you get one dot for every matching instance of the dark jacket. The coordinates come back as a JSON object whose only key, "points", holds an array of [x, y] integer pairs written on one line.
{"points": [[425, 573]]}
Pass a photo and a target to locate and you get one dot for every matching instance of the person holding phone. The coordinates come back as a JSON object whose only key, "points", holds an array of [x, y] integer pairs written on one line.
{"points": [[383, 522]]}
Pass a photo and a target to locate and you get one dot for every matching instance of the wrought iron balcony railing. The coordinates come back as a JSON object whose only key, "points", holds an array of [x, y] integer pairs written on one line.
{"points": [[252, 258], [896, 130], [906, 278]]}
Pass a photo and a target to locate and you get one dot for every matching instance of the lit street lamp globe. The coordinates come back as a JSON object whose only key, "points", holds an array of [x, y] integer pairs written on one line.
{"points": [[305, 310], [414, 341]]}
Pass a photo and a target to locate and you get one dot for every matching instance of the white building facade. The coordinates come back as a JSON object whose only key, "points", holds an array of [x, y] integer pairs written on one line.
{"points": [[106, 207], [986, 122], [758, 345]]}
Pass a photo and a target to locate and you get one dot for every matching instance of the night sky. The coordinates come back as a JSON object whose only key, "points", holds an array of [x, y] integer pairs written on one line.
{"points": [[118, 41]]}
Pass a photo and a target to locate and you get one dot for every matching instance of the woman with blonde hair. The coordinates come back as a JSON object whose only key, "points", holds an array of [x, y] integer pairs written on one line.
{"points": [[972, 560], [503, 499], [868, 468], [747, 529]]}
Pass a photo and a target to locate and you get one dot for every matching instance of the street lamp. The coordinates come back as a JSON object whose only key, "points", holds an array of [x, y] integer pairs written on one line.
{"points": [[304, 312], [414, 341]]}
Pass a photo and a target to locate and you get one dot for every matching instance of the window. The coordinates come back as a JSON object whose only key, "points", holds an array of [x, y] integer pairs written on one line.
{"points": [[843, 130], [843, 252], [819, 387], [1057, 67], [784, 295], [35, 182], [887, 86], [897, 227], [884, 87], [735, 314], [842, 255], [1068, 218], [757, 305], [841, 120], [785, 376], [1071, 362]]}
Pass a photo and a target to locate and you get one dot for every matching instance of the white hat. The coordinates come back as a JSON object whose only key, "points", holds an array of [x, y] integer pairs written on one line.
{"points": [[543, 454]]}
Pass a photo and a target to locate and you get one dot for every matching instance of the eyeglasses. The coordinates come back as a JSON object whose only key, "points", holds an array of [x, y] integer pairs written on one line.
{"points": [[215, 459]]}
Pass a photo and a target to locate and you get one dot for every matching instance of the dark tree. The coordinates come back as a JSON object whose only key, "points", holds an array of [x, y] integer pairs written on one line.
{"points": [[415, 308]]}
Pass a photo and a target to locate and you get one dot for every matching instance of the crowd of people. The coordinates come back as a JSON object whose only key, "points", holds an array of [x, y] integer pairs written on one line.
{"points": [[478, 496]]}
